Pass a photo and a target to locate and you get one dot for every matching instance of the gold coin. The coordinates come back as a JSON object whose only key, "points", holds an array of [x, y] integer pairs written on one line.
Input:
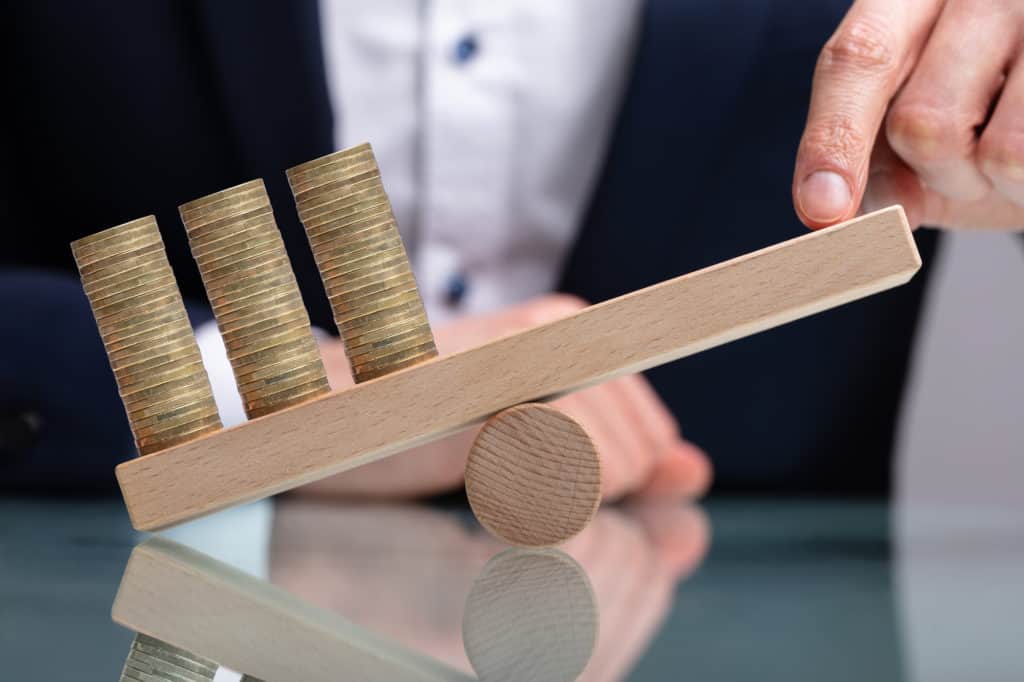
{"points": [[129, 386], [297, 363], [240, 325], [194, 401], [355, 289], [342, 254], [234, 231], [373, 231], [380, 300], [162, 389], [399, 328], [348, 220], [129, 307], [378, 349], [352, 266], [227, 295], [377, 302], [166, 320], [332, 165], [225, 201], [257, 325], [129, 343], [424, 351], [104, 239], [139, 292], [261, 342], [362, 375], [130, 281], [250, 362], [355, 203], [197, 394], [267, 250], [339, 187], [262, 307], [173, 416], [269, 283], [361, 319], [223, 228], [340, 277], [167, 438], [146, 368], [174, 352], [216, 236], [244, 242], [330, 173], [366, 193], [259, 387], [123, 263], [258, 264], [169, 443], [286, 396], [114, 279], [100, 267], [389, 268]]}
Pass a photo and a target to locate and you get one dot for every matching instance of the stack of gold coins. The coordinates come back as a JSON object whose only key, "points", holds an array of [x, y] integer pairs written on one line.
{"points": [[150, 660], [146, 332], [362, 261], [255, 298]]}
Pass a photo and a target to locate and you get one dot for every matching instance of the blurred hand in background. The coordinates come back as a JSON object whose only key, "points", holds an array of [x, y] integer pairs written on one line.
{"points": [[918, 102], [641, 449]]}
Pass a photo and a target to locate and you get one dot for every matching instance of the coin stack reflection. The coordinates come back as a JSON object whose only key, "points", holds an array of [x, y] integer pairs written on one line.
{"points": [[147, 335], [255, 298], [150, 660], [362, 261]]}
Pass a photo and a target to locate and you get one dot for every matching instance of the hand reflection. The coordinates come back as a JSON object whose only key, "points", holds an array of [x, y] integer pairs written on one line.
{"points": [[405, 571]]}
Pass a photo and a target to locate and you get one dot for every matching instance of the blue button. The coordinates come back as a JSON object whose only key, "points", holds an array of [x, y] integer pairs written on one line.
{"points": [[466, 48], [455, 292]]}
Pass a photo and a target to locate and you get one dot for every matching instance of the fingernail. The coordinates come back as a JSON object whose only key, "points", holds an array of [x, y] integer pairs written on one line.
{"points": [[824, 196]]}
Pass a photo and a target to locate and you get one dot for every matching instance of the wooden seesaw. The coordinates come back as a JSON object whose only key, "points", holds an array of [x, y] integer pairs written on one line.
{"points": [[533, 475]]}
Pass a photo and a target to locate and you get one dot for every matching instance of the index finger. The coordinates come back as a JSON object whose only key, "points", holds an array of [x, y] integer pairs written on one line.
{"points": [[859, 71]]}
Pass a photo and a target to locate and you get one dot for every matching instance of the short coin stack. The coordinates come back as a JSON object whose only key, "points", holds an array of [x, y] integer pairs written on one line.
{"points": [[362, 261], [255, 298], [147, 335], [150, 660]]}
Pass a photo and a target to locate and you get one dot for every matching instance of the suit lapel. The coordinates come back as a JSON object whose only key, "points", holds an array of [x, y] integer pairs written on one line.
{"points": [[267, 62]]}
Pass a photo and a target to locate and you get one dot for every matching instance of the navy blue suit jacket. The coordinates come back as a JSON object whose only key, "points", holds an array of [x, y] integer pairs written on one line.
{"points": [[118, 110]]}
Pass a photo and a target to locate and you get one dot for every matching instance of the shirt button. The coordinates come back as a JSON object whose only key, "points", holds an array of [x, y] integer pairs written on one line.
{"points": [[455, 291], [465, 49]]}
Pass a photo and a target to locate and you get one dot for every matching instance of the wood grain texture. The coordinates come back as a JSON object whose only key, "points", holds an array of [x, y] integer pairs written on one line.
{"points": [[194, 602], [530, 615], [643, 329], [533, 476]]}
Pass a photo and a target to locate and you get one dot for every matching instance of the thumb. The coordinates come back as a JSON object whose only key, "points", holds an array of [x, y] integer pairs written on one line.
{"points": [[860, 69]]}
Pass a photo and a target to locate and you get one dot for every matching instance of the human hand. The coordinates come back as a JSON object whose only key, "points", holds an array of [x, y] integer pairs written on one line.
{"points": [[918, 102], [637, 437]]}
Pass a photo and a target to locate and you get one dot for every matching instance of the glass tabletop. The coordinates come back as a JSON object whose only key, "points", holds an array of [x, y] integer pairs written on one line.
{"points": [[300, 589]]}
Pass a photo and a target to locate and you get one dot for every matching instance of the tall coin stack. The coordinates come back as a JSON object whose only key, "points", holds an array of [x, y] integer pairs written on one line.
{"points": [[147, 335], [255, 298], [362, 261], [150, 660]]}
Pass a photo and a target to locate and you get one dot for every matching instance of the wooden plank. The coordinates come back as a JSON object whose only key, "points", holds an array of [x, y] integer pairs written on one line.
{"points": [[649, 327], [193, 602]]}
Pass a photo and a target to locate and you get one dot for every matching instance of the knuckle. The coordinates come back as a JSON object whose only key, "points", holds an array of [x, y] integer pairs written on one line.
{"points": [[924, 135], [862, 45], [553, 307], [836, 140], [1001, 157]]}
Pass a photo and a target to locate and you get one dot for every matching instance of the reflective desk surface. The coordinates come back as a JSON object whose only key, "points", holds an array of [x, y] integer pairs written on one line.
{"points": [[739, 589]]}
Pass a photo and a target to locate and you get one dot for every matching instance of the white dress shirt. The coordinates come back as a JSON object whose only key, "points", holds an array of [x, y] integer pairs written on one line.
{"points": [[489, 120]]}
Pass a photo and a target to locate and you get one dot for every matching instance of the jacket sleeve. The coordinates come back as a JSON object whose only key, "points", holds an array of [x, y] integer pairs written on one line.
{"points": [[62, 425]]}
